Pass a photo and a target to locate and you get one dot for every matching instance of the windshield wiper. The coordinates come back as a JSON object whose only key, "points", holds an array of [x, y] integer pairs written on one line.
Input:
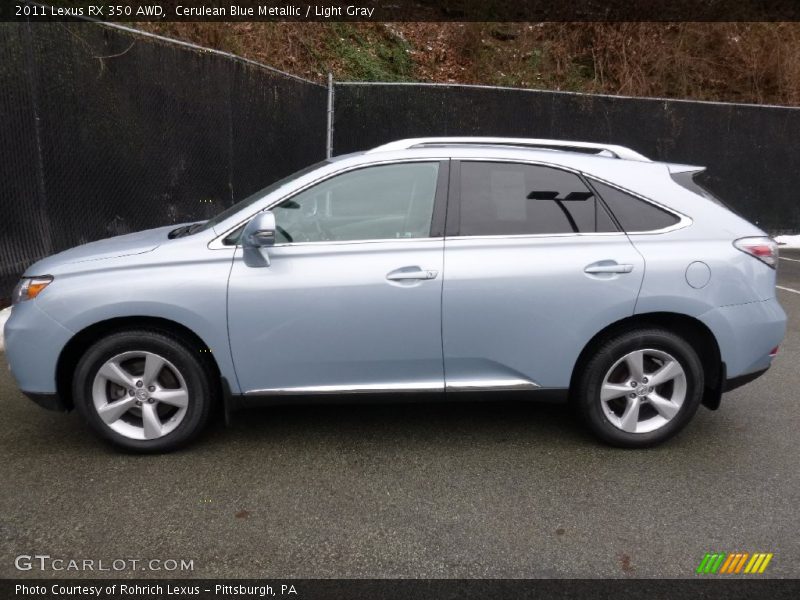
{"points": [[184, 230]]}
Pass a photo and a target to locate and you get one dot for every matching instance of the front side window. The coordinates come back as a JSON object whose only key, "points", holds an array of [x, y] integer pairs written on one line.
{"points": [[373, 203], [519, 199], [253, 198]]}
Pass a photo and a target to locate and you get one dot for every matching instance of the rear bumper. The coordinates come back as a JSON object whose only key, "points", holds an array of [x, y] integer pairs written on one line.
{"points": [[737, 382], [746, 334]]}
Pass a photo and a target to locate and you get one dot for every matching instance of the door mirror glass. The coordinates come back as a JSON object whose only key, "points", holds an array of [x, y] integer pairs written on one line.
{"points": [[260, 231]]}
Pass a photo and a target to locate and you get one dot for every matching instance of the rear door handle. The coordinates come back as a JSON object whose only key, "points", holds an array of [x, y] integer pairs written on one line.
{"points": [[608, 268], [407, 273]]}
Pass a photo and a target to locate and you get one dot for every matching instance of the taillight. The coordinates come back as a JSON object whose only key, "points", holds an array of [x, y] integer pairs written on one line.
{"points": [[763, 248]]}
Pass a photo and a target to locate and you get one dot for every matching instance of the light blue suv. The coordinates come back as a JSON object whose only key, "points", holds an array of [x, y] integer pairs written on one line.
{"points": [[422, 268]]}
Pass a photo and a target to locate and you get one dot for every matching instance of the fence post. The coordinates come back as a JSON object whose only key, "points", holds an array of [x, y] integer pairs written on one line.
{"points": [[329, 139]]}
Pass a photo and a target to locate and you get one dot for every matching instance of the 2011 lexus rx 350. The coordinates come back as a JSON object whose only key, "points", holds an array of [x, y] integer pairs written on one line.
{"points": [[433, 265]]}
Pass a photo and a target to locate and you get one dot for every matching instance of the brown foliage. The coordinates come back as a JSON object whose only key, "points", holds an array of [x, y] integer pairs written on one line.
{"points": [[737, 62]]}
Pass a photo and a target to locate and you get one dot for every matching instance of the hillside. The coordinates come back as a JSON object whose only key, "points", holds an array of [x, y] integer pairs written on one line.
{"points": [[734, 62]]}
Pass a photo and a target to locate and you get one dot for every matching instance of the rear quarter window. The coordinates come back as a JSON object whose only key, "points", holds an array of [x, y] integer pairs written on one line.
{"points": [[634, 214]]}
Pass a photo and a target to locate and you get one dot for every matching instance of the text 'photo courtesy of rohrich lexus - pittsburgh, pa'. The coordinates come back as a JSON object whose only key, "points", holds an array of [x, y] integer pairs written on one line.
{"points": [[422, 269]]}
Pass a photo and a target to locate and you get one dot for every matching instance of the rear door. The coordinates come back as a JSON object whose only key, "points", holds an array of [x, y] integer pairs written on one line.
{"points": [[534, 267]]}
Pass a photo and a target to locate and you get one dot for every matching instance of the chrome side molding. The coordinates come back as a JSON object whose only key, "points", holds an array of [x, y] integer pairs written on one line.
{"points": [[494, 385], [366, 388]]}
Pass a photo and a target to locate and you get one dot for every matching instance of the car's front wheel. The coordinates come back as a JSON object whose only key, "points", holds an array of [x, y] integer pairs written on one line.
{"points": [[144, 390], [640, 388]]}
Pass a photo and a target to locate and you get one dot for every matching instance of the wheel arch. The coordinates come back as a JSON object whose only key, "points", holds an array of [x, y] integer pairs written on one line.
{"points": [[76, 347], [693, 330]]}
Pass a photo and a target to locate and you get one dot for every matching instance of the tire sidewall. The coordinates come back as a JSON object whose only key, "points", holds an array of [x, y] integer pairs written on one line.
{"points": [[608, 354], [179, 355]]}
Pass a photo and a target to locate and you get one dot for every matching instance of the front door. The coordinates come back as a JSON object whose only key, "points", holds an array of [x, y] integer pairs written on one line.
{"points": [[351, 299]]}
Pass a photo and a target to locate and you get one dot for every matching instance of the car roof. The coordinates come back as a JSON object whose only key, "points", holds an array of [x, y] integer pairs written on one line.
{"points": [[588, 157], [576, 160], [545, 155], [604, 162]]}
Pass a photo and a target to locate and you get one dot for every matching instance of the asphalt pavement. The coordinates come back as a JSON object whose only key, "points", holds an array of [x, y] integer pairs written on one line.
{"points": [[450, 490]]}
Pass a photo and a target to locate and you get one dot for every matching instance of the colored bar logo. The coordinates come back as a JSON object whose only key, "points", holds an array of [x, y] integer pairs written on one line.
{"points": [[734, 563]]}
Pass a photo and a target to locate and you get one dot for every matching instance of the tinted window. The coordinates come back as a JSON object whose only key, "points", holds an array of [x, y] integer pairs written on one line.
{"points": [[383, 202], [515, 199], [631, 212]]}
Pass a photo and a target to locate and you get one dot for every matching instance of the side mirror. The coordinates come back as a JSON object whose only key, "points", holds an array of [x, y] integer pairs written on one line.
{"points": [[260, 231]]}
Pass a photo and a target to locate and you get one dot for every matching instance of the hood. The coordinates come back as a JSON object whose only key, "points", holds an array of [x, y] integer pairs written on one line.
{"points": [[122, 245]]}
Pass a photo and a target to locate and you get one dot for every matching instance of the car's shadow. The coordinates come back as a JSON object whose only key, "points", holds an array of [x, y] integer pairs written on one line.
{"points": [[490, 421], [340, 425]]}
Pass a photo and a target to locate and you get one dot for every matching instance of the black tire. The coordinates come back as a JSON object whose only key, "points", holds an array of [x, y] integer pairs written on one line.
{"points": [[591, 377], [188, 361]]}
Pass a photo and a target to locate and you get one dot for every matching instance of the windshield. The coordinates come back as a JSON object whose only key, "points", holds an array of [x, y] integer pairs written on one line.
{"points": [[257, 196]]}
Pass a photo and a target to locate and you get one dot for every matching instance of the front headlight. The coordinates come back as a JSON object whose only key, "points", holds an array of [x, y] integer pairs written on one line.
{"points": [[29, 287]]}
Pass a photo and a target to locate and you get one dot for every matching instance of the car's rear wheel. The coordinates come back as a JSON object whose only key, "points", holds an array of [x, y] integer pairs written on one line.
{"points": [[144, 390], [640, 388]]}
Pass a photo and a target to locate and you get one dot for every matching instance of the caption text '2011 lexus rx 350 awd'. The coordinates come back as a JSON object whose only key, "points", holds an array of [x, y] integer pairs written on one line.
{"points": [[433, 265]]}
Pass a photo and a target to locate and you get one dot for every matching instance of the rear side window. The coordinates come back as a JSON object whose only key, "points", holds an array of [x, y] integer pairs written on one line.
{"points": [[518, 199], [633, 213]]}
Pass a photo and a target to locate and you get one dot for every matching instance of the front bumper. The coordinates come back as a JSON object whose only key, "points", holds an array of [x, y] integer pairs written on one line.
{"points": [[34, 342]]}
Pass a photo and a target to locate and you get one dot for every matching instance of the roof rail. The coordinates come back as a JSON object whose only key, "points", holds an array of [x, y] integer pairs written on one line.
{"points": [[616, 151]]}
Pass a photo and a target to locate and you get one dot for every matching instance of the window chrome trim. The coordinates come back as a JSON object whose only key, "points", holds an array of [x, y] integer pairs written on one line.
{"points": [[352, 242], [523, 236], [683, 220], [217, 242]]}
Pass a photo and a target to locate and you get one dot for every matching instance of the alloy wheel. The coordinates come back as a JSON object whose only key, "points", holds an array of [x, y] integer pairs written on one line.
{"points": [[140, 395], [643, 391]]}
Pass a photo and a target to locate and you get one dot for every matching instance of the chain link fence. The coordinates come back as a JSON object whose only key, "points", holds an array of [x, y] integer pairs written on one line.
{"points": [[748, 149], [106, 131]]}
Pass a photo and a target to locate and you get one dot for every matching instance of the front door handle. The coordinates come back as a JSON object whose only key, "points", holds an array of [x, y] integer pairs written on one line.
{"points": [[608, 267], [407, 273]]}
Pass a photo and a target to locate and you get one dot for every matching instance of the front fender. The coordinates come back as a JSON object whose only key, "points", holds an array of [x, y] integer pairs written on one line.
{"points": [[194, 296]]}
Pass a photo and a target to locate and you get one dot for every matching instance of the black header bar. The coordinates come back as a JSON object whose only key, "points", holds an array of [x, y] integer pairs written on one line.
{"points": [[710, 588], [401, 10]]}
